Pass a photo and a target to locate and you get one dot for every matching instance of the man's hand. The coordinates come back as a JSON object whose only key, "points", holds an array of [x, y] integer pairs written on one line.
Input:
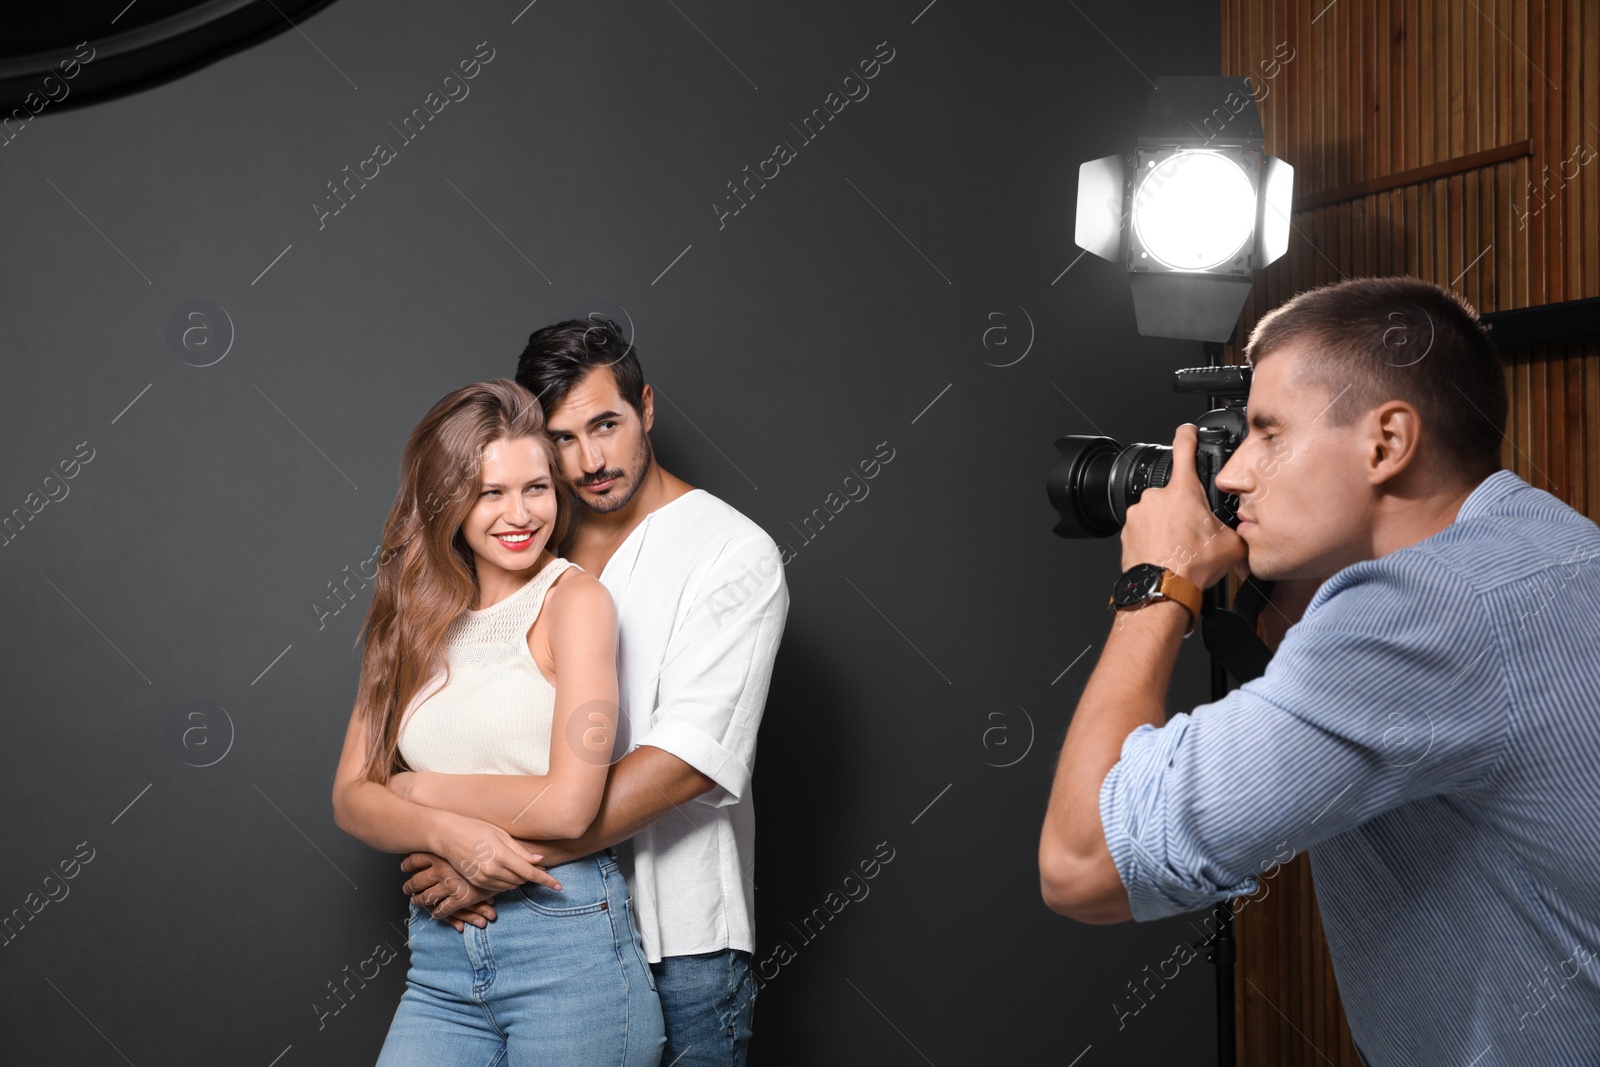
{"points": [[1172, 526], [479, 915], [446, 893]]}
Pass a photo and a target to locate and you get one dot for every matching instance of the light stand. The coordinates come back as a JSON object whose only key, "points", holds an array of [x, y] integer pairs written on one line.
{"points": [[1221, 953], [1190, 214], [1229, 634]]}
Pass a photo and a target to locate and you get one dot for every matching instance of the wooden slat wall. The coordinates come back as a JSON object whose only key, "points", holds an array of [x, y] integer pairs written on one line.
{"points": [[1375, 87]]}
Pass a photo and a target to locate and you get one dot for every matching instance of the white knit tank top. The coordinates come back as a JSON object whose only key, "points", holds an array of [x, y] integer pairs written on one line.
{"points": [[494, 713]]}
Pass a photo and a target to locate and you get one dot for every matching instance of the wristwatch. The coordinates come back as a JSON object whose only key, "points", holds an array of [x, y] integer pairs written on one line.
{"points": [[1145, 582]]}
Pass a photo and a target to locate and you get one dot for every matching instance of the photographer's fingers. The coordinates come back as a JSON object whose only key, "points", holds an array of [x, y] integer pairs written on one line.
{"points": [[1184, 443]]}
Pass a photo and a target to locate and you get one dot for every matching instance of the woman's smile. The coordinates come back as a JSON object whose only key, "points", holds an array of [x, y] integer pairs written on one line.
{"points": [[515, 541]]}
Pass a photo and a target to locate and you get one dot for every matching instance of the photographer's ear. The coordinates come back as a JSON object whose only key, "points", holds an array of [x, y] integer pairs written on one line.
{"points": [[1394, 438]]}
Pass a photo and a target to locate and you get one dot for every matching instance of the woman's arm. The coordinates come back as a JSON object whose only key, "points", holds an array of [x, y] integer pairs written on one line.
{"points": [[375, 816], [563, 802], [372, 813]]}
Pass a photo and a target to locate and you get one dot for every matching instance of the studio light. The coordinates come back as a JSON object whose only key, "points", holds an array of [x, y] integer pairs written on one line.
{"points": [[1193, 211]]}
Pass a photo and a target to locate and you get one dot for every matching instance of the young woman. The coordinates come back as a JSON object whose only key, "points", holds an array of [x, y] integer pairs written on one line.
{"points": [[486, 712]]}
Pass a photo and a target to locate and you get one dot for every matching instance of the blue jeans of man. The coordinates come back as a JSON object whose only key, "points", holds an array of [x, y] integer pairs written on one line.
{"points": [[708, 1001]]}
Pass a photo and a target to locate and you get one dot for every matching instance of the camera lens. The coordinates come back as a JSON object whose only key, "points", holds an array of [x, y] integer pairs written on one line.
{"points": [[1096, 481], [1137, 468]]}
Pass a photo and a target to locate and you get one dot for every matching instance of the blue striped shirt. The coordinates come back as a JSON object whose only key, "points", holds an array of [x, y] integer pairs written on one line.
{"points": [[1430, 731]]}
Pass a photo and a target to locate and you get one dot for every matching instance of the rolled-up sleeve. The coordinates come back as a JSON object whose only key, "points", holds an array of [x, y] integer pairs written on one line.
{"points": [[718, 668], [1163, 875], [1390, 689]]}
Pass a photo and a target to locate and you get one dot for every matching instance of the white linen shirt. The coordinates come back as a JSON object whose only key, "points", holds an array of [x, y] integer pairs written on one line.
{"points": [[701, 603]]}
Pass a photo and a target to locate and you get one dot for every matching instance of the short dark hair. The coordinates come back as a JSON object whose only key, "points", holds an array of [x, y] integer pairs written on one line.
{"points": [[1369, 340], [561, 355]]}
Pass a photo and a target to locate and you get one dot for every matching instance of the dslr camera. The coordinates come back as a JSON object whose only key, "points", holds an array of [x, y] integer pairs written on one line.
{"points": [[1096, 480]]}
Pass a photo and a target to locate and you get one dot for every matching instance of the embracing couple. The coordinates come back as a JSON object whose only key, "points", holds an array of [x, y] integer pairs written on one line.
{"points": [[563, 672]]}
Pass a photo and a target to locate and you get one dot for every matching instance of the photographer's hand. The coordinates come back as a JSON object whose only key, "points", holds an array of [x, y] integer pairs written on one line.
{"points": [[1172, 526]]}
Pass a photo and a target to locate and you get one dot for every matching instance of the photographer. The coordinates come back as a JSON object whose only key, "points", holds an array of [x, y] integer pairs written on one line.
{"points": [[1428, 729]]}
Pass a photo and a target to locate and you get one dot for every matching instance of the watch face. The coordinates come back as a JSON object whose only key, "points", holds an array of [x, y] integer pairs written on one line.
{"points": [[1138, 584]]}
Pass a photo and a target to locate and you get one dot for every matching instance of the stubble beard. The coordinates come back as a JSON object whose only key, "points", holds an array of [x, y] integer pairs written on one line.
{"points": [[611, 502]]}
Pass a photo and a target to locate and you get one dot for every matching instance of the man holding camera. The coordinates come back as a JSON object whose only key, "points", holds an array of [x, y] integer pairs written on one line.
{"points": [[1427, 729]]}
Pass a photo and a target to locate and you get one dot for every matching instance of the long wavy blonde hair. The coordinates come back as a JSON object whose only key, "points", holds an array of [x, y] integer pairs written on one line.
{"points": [[427, 574]]}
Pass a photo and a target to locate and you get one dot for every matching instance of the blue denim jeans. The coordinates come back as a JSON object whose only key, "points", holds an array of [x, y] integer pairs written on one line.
{"points": [[555, 978], [708, 1001]]}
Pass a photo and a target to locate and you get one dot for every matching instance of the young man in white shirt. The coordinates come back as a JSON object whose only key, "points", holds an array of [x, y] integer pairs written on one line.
{"points": [[701, 604]]}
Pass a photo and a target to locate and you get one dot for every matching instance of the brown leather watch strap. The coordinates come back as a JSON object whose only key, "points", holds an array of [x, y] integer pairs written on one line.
{"points": [[1175, 586]]}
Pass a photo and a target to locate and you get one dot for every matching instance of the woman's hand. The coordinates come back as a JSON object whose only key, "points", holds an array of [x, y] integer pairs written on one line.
{"points": [[485, 855], [403, 784]]}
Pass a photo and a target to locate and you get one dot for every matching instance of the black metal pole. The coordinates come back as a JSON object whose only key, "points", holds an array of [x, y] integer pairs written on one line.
{"points": [[1222, 946]]}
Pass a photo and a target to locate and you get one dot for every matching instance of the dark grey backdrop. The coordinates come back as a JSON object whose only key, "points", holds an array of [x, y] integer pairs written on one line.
{"points": [[174, 696]]}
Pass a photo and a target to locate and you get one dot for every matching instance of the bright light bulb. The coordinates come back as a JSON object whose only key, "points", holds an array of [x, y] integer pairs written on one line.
{"points": [[1194, 211]]}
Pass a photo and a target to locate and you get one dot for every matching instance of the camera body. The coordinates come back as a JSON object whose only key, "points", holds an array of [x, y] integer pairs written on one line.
{"points": [[1096, 480]]}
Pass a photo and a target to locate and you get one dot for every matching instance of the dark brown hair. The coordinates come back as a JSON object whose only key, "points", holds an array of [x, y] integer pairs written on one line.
{"points": [[1369, 340], [561, 355], [427, 574]]}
